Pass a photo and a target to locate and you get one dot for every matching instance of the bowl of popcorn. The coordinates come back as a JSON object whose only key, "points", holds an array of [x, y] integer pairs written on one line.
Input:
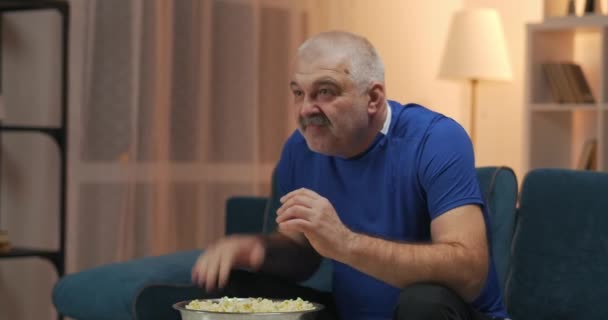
{"points": [[248, 308]]}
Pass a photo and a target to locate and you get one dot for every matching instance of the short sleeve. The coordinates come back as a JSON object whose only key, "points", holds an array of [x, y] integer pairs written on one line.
{"points": [[284, 169], [447, 168]]}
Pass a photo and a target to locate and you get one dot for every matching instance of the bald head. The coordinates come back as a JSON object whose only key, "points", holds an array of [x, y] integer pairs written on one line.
{"points": [[361, 60]]}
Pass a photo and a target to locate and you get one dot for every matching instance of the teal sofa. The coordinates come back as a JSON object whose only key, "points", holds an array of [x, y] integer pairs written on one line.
{"points": [[146, 288], [559, 266]]}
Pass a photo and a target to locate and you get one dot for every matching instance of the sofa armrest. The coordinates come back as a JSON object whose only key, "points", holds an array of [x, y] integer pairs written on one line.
{"points": [[109, 291]]}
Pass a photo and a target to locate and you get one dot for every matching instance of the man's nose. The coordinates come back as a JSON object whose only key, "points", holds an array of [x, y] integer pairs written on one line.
{"points": [[309, 107]]}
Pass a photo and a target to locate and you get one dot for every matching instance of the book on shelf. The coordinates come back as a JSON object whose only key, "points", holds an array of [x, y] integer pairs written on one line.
{"points": [[567, 82], [5, 244], [573, 86], [555, 8], [587, 158], [583, 89], [557, 93]]}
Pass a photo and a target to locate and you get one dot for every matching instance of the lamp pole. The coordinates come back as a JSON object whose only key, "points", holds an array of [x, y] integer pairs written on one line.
{"points": [[473, 111]]}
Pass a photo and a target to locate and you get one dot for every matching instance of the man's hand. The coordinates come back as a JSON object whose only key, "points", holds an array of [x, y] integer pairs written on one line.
{"points": [[213, 267], [305, 211]]}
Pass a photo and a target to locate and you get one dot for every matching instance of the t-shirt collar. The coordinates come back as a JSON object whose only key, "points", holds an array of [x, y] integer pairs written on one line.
{"points": [[387, 121]]}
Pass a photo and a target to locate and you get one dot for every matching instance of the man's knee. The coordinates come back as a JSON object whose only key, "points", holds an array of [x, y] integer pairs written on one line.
{"points": [[429, 301]]}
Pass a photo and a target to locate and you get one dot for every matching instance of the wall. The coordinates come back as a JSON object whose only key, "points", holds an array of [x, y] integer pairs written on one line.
{"points": [[410, 36], [501, 105]]}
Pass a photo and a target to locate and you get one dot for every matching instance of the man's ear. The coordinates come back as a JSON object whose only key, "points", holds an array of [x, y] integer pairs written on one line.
{"points": [[376, 98]]}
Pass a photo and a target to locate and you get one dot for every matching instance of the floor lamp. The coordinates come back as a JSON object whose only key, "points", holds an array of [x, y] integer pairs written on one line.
{"points": [[475, 51]]}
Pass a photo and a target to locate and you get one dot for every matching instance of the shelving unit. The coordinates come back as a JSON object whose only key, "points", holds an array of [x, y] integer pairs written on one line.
{"points": [[57, 134], [557, 132]]}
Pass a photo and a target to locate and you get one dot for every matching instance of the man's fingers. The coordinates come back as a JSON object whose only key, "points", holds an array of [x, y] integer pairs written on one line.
{"points": [[200, 272], [295, 212], [194, 273], [212, 271], [213, 268], [256, 258], [296, 200], [224, 270], [302, 191], [296, 225]]}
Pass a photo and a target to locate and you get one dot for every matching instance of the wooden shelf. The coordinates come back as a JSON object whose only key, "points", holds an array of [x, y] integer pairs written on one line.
{"points": [[58, 134], [20, 252], [571, 22], [557, 132], [20, 5], [562, 107]]}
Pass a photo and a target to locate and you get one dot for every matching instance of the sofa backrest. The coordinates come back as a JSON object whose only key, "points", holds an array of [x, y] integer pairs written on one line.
{"points": [[273, 205], [559, 267]]}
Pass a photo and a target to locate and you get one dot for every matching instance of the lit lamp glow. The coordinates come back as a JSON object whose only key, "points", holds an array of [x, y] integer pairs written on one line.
{"points": [[475, 50]]}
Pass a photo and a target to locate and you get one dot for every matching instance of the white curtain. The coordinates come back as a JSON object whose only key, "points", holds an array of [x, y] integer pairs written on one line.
{"points": [[175, 105]]}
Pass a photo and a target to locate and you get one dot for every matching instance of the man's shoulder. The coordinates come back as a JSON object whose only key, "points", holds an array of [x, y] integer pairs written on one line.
{"points": [[413, 119]]}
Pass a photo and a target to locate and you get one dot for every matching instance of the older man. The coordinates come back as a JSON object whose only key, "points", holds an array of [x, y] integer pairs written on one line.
{"points": [[387, 191]]}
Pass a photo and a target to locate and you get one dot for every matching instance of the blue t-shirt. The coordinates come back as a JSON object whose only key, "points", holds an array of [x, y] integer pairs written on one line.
{"points": [[423, 167]]}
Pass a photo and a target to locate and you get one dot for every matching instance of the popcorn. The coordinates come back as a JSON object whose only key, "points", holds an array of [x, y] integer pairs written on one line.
{"points": [[250, 305]]}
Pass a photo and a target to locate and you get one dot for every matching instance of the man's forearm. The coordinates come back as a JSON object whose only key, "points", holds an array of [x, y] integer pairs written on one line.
{"points": [[402, 264], [286, 258]]}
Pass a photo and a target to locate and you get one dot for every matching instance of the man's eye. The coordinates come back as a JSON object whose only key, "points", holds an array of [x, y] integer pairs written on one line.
{"points": [[298, 93], [325, 92]]}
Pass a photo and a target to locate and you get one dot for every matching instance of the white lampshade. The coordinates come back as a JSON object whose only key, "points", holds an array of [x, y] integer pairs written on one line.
{"points": [[476, 47]]}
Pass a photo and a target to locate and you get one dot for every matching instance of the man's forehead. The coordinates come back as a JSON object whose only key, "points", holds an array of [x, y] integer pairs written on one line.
{"points": [[306, 70], [322, 61], [321, 75]]}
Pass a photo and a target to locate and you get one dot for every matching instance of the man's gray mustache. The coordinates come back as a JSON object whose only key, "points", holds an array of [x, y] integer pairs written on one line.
{"points": [[317, 120]]}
